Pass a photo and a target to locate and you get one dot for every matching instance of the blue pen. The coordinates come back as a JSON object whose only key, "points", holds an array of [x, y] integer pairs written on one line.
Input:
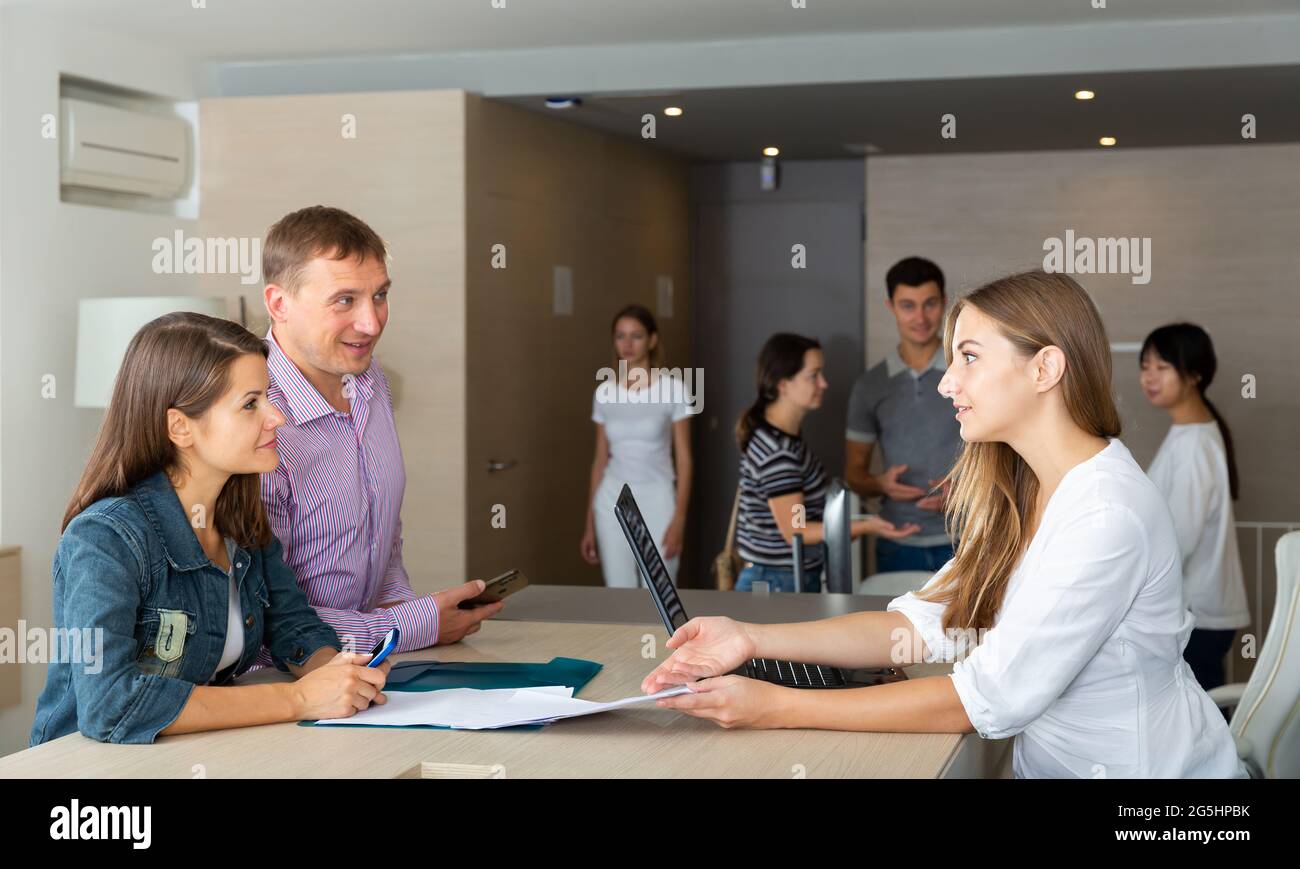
{"points": [[384, 648]]}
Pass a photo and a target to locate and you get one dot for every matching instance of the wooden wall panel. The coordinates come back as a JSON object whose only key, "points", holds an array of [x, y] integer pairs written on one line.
{"points": [[11, 590], [404, 174], [616, 213]]}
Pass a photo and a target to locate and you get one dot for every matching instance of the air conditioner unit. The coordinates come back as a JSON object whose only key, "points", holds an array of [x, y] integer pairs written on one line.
{"points": [[109, 148]]}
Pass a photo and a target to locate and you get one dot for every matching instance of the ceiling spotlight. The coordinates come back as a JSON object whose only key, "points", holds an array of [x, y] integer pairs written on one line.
{"points": [[771, 152], [673, 111], [563, 102], [1107, 141], [1084, 95]]}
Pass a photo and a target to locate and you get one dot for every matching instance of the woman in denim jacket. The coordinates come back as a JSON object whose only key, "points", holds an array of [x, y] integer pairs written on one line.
{"points": [[167, 551]]}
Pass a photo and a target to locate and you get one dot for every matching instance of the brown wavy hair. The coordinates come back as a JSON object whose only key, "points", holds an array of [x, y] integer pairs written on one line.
{"points": [[179, 360], [993, 488]]}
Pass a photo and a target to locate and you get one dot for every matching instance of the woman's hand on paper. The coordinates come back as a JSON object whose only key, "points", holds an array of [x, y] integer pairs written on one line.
{"points": [[703, 647], [341, 688], [733, 702]]}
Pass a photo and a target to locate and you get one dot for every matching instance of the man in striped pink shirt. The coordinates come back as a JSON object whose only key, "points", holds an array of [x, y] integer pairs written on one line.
{"points": [[335, 500]]}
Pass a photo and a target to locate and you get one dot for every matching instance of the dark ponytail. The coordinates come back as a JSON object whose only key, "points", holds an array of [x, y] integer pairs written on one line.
{"points": [[780, 359], [1233, 485], [1188, 348]]}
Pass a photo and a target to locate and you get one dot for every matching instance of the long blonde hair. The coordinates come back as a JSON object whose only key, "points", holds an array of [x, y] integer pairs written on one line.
{"points": [[993, 488]]}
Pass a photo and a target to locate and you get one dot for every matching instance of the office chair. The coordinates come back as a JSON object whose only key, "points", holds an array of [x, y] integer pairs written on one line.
{"points": [[837, 519], [1266, 718], [796, 553]]}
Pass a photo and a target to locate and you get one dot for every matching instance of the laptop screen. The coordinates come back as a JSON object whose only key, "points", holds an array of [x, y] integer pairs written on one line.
{"points": [[647, 558]]}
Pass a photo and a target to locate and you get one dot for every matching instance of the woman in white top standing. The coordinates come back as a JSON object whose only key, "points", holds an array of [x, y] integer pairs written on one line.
{"points": [[643, 439], [1196, 470], [1063, 603]]}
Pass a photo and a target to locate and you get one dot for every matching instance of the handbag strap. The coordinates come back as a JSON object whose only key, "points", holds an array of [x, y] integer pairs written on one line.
{"points": [[730, 545]]}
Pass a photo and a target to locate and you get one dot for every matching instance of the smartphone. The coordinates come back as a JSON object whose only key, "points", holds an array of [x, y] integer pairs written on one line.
{"points": [[496, 589], [384, 647]]}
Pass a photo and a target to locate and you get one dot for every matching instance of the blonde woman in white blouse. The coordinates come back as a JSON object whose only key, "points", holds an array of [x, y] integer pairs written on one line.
{"points": [[1196, 469], [1063, 603]]}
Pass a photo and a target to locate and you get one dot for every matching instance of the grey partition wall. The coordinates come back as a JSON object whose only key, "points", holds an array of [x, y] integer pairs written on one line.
{"points": [[746, 288]]}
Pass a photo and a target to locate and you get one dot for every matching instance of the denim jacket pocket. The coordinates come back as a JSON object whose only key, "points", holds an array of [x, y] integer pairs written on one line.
{"points": [[172, 626], [166, 633]]}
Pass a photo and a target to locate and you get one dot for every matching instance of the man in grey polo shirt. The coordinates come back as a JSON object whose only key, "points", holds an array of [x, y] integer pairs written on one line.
{"points": [[897, 403]]}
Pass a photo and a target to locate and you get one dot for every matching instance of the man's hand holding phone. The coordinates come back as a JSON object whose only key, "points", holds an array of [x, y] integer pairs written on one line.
{"points": [[455, 623]]}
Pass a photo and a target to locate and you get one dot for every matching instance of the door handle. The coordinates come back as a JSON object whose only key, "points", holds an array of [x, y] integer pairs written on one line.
{"points": [[493, 465]]}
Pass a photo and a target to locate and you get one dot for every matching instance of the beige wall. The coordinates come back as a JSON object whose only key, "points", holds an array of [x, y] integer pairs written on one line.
{"points": [[1222, 223], [483, 369], [616, 212], [403, 173], [56, 253]]}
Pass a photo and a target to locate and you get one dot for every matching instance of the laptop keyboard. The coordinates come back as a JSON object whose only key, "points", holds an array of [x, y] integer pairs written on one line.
{"points": [[794, 675]]}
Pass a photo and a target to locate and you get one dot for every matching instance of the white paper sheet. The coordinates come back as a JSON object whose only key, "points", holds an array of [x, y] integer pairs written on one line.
{"points": [[479, 709]]}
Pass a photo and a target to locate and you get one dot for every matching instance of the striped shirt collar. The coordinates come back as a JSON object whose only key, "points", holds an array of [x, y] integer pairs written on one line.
{"points": [[302, 401], [894, 364]]}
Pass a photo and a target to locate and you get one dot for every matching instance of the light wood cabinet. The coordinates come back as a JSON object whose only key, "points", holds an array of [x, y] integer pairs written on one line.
{"points": [[11, 591]]}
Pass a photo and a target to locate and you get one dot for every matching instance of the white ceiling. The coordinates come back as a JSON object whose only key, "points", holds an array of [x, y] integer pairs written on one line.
{"points": [[269, 29]]}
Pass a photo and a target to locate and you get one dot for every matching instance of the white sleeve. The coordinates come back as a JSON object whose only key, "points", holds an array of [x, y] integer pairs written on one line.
{"points": [[1191, 498], [682, 401], [927, 619], [597, 406], [1092, 569]]}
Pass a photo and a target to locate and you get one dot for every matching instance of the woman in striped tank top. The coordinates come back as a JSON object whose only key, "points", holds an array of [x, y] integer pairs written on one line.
{"points": [[782, 482]]}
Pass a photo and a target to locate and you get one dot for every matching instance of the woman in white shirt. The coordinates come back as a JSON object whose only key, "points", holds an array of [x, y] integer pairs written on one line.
{"points": [[1196, 470], [1066, 572], [643, 439]]}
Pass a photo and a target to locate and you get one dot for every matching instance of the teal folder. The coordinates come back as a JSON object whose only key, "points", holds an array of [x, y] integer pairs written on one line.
{"points": [[437, 675]]}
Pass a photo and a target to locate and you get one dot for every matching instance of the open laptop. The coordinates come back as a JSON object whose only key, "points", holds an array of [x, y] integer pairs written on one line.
{"points": [[787, 673]]}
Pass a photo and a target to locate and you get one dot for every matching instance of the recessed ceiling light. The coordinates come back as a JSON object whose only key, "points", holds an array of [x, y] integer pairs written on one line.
{"points": [[673, 111], [1084, 95], [771, 151], [563, 102], [1107, 141]]}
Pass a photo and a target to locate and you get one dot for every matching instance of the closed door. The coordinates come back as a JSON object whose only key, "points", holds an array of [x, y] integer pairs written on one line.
{"points": [[616, 214], [532, 374], [747, 289]]}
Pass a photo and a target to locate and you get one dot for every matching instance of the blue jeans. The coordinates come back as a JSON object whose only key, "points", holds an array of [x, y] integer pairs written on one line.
{"points": [[778, 578], [891, 556]]}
